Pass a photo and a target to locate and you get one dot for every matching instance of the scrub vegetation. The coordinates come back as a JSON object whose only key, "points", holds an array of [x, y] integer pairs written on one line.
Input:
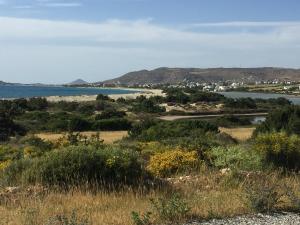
{"points": [[162, 172]]}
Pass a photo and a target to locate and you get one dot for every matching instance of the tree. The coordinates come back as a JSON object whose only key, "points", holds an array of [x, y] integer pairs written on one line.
{"points": [[102, 97], [78, 124], [286, 119], [8, 128], [37, 104]]}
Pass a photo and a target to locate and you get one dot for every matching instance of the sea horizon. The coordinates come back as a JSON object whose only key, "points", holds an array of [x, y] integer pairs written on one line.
{"points": [[30, 91]]}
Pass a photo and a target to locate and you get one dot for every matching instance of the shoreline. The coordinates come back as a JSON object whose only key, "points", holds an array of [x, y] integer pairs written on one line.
{"points": [[86, 98]]}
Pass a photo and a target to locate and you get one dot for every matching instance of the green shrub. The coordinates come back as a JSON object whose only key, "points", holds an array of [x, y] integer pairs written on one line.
{"points": [[102, 97], [12, 174], [235, 157], [86, 109], [176, 96], [230, 121], [143, 219], [78, 139], [38, 142], [241, 103], [109, 114], [181, 128], [264, 195], [34, 104], [285, 119], [66, 106], [111, 124], [9, 153], [137, 128], [172, 209], [142, 104], [67, 220], [80, 165], [206, 97], [279, 149], [9, 128], [78, 124]]}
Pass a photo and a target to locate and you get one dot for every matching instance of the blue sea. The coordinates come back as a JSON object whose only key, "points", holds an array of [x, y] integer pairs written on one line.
{"points": [[11, 91]]}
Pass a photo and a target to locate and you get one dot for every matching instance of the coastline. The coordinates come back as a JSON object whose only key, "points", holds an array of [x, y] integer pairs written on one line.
{"points": [[86, 98]]}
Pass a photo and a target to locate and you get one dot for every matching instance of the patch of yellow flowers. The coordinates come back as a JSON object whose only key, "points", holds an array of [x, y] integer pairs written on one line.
{"points": [[172, 162]]}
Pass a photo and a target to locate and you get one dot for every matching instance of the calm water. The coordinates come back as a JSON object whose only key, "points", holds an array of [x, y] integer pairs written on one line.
{"points": [[32, 91], [294, 99]]}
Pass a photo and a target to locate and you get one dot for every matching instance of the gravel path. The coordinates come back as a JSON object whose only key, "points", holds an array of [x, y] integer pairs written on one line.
{"points": [[275, 219]]}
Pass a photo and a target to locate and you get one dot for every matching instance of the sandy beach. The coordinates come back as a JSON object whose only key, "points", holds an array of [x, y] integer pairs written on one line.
{"points": [[85, 98]]}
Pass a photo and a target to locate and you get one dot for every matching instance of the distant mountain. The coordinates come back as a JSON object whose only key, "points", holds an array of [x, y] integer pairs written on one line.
{"points": [[19, 84], [5, 83], [78, 82], [177, 75]]}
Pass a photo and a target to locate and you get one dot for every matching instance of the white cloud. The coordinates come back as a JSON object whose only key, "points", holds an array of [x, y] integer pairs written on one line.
{"points": [[248, 24], [58, 4], [144, 31], [110, 48], [23, 7]]}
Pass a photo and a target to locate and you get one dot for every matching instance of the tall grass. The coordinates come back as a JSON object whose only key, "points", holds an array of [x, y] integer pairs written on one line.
{"points": [[207, 195]]}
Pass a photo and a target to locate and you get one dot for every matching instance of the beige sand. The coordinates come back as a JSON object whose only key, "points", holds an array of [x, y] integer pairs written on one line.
{"points": [[85, 98]]}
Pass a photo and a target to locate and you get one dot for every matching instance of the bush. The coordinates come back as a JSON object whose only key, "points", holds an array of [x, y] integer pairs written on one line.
{"points": [[230, 121], [67, 106], [286, 119], [8, 153], [137, 128], [67, 220], [279, 149], [176, 96], [112, 125], [37, 104], [143, 219], [172, 162], [241, 103], [206, 97], [38, 142], [9, 128], [78, 124], [76, 139], [182, 128], [142, 104], [102, 97], [173, 209], [109, 114], [13, 173], [79, 165], [86, 109], [264, 195], [235, 157]]}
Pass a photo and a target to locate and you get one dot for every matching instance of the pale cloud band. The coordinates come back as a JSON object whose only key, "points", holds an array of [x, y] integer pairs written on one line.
{"points": [[55, 48], [62, 4], [144, 31]]}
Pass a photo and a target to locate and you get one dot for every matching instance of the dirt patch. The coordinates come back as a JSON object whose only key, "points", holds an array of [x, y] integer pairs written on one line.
{"points": [[108, 136], [241, 133]]}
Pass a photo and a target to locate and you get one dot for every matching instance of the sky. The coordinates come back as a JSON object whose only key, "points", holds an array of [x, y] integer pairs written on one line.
{"points": [[57, 41]]}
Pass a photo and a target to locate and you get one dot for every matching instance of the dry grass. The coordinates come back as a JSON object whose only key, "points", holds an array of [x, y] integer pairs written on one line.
{"points": [[241, 134], [108, 136], [209, 194], [110, 209]]}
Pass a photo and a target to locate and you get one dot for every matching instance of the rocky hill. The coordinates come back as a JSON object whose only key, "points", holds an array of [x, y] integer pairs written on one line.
{"points": [[177, 75], [3, 83], [78, 82]]}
